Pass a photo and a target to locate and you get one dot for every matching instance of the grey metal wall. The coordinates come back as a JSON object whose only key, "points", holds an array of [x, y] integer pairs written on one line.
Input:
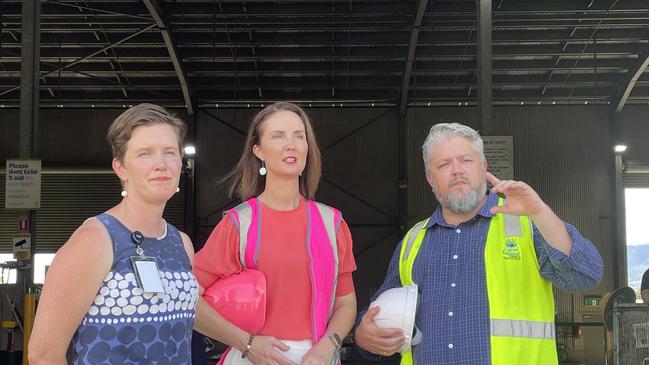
{"points": [[9, 120], [68, 137], [635, 132]]}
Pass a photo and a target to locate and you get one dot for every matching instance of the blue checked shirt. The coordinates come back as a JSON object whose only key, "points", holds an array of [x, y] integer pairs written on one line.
{"points": [[453, 313]]}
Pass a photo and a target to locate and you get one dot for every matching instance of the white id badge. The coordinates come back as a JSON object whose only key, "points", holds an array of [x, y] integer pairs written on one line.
{"points": [[147, 274]]}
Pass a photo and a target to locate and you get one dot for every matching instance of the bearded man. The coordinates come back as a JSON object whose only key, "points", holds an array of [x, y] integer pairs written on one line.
{"points": [[485, 265]]}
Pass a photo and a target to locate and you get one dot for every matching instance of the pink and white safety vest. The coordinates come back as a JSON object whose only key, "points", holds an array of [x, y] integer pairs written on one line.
{"points": [[322, 224]]}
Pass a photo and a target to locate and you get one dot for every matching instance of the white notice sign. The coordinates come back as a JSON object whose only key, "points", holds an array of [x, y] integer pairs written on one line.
{"points": [[499, 152], [22, 243], [23, 184]]}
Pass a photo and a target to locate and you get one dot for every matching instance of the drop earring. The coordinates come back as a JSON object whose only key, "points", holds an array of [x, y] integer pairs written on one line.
{"points": [[262, 169]]}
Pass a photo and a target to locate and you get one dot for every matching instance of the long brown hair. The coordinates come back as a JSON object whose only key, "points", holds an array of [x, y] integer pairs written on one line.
{"points": [[245, 178]]}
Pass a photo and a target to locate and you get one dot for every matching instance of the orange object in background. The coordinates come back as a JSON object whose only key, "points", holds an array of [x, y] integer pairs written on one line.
{"points": [[30, 311]]}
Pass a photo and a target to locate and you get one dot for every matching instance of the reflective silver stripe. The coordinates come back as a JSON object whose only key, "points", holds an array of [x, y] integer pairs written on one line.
{"points": [[512, 225], [255, 260], [412, 235], [524, 329], [245, 217], [328, 216]]}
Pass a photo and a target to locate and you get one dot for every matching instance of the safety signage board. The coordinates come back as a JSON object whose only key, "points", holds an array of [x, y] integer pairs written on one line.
{"points": [[499, 152], [23, 184], [22, 246]]}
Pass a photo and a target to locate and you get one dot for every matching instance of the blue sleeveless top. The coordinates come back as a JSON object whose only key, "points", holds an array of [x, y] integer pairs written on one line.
{"points": [[126, 326]]}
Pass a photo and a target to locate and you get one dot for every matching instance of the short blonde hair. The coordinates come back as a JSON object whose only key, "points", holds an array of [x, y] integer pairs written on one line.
{"points": [[120, 131]]}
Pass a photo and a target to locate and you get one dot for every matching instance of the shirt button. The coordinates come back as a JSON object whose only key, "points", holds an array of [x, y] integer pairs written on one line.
{"points": [[450, 345], [452, 285], [455, 257], [450, 314], [458, 230]]}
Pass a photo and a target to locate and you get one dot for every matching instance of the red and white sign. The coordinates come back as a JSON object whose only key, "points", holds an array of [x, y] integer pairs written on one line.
{"points": [[23, 223]]}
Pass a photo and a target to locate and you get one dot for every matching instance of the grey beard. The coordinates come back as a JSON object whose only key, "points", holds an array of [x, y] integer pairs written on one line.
{"points": [[463, 203]]}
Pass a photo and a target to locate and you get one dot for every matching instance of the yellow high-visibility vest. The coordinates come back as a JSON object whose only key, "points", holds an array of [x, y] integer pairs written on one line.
{"points": [[521, 303]]}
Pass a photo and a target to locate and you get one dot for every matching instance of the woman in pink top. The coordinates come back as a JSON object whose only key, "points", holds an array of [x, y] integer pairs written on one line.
{"points": [[278, 176]]}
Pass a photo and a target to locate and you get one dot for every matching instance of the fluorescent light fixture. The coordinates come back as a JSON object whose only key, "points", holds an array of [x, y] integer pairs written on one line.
{"points": [[190, 150], [619, 148]]}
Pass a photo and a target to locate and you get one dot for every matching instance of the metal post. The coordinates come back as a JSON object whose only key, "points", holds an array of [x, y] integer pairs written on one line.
{"points": [[619, 248], [30, 69], [619, 243], [403, 175], [28, 135], [190, 197], [484, 64]]}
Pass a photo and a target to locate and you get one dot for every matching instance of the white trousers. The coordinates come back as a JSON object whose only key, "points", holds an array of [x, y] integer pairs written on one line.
{"points": [[297, 350]]}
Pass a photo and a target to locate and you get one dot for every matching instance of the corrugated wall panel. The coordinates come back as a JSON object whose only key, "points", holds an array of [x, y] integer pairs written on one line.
{"points": [[636, 174], [69, 137], [219, 139], [69, 198], [635, 133]]}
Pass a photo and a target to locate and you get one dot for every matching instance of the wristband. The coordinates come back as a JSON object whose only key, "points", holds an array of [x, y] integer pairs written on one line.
{"points": [[335, 340], [248, 346]]}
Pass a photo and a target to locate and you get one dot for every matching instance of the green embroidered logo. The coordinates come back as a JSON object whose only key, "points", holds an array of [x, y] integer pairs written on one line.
{"points": [[511, 251]]}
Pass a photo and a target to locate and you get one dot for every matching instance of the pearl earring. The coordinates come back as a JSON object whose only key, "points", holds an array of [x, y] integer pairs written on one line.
{"points": [[262, 169], [124, 193], [177, 189]]}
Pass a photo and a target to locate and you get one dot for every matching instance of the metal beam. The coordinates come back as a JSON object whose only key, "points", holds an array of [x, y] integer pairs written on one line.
{"points": [[79, 7], [615, 130], [29, 81], [157, 15], [485, 66], [84, 58], [410, 58], [624, 90], [28, 135]]}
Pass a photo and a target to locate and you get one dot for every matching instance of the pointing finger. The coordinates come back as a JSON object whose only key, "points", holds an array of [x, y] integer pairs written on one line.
{"points": [[492, 179]]}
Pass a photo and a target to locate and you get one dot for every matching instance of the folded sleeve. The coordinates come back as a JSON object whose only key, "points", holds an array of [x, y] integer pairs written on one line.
{"points": [[219, 257], [580, 270], [346, 261]]}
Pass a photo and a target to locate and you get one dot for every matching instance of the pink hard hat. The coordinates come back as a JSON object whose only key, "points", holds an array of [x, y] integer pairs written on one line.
{"points": [[241, 299]]}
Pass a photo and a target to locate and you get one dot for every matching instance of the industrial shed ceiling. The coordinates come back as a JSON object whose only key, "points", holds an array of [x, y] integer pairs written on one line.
{"points": [[207, 53]]}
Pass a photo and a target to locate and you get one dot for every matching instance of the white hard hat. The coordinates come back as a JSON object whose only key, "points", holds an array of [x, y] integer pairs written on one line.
{"points": [[398, 310]]}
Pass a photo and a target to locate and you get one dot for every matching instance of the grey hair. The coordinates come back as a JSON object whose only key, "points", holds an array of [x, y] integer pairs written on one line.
{"points": [[442, 131]]}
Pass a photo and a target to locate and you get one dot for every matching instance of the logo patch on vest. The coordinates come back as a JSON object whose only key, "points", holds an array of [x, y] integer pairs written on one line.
{"points": [[511, 250]]}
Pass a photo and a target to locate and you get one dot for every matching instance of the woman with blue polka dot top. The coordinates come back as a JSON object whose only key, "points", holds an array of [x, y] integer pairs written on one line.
{"points": [[121, 289]]}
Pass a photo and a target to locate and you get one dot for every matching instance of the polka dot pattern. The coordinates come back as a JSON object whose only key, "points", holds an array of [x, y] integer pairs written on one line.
{"points": [[123, 324], [180, 295]]}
